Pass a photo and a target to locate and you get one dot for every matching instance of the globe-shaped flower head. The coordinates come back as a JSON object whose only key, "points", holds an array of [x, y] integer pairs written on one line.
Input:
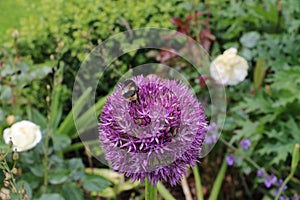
{"points": [[155, 135]]}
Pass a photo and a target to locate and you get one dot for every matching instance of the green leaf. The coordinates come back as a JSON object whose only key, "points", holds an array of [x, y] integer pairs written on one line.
{"points": [[280, 150], [94, 183], [108, 174], [51, 197], [6, 93], [38, 118], [67, 127], [56, 106], [76, 168], [59, 177], [27, 187], [37, 170], [60, 142], [250, 39], [249, 129], [247, 54], [71, 191], [40, 72], [32, 180]]}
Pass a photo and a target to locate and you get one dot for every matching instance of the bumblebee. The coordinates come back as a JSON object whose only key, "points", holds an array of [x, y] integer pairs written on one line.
{"points": [[130, 91]]}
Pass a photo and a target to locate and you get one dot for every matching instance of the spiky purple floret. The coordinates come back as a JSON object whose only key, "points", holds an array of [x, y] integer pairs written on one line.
{"points": [[155, 137]]}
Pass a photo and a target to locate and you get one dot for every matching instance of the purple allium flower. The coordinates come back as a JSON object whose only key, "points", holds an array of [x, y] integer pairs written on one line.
{"points": [[156, 136], [261, 173], [270, 180], [279, 186], [295, 197], [281, 198], [245, 143], [230, 159]]}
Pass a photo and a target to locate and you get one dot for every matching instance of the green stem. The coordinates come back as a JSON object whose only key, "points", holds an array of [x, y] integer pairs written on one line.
{"points": [[218, 182], [150, 190], [283, 184], [295, 160], [164, 192], [198, 183], [80, 145], [249, 160], [45, 161]]}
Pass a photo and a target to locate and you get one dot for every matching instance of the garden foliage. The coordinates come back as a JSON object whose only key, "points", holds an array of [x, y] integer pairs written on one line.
{"points": [[38, 68]]}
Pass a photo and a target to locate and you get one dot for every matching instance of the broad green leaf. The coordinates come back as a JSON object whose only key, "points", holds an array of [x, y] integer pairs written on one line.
{"points": [[51, 197], [38, 118], [94, 183], [76, 168], [250, 39], [6, 93], [37, 170], [108, 174], [59, 177], [71, 191], [60, 142], [27, 187], [67, 127]]}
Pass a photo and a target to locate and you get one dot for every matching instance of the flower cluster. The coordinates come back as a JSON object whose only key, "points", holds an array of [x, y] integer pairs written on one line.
{"points": [[245, 144], [268, 180], [229, 68], [156, 136], [272, 180], [212, 134]]}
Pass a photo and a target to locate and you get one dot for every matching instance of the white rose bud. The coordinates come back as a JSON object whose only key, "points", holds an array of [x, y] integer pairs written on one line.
{"points": [[229, 68], [24, 135]]}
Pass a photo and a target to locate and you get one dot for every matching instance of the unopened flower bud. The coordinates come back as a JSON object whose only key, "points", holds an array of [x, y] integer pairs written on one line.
{"points": [[6, 184], [7, 176], [10, 143], [26, 197], [19, 172], [14, 190], [10, 119], [4, 193], [47, 99], [48, 87], [15, 156], [23, 191], [15, 34], [14, 170]]}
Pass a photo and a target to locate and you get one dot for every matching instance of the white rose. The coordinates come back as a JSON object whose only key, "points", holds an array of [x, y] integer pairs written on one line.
{"points": [[229, 68], [24, 135]]}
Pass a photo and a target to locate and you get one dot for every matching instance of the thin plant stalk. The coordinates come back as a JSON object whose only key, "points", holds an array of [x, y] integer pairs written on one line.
{"points": [[150, 191], [218, 182], [164, 192], [295, 160], [198, 183]]}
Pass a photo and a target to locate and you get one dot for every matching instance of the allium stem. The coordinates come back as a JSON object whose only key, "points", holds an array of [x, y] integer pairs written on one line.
{"points": [[164, 192], [150, 191], [198, 183], [218, 182]]}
